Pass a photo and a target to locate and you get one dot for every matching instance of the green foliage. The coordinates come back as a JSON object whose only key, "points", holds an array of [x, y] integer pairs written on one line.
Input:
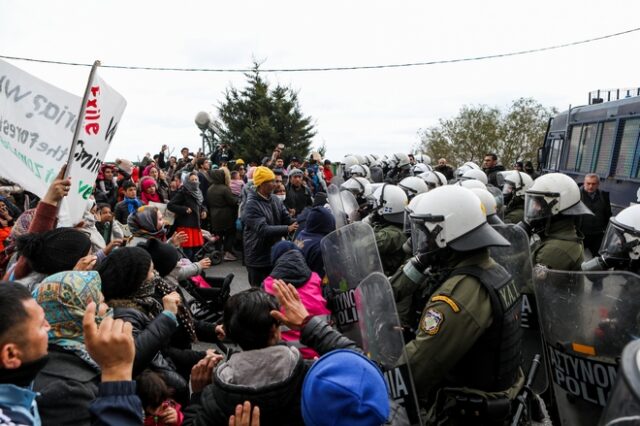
{"points": [[477, 130], [256, 119]]}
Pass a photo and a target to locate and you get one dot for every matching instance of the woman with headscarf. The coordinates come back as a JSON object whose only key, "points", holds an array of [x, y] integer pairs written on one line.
{"points": [[149, 191], [188, 205], [128, 287], [69, 381]]}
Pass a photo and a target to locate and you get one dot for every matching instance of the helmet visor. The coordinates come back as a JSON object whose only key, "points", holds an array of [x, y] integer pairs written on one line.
{"points": [[538, 206], [427, 232], [615, 244]]}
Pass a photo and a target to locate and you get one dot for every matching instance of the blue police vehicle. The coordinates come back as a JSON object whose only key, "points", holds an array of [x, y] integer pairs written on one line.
{"points": [[601, 137]]}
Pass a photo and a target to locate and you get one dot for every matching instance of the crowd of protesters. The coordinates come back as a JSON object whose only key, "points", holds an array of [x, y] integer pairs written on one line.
{"points": [[95, 320]]}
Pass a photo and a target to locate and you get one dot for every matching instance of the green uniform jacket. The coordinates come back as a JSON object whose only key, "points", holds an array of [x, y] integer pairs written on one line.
{"points": [[390, 239], [514, 212], [561, 247], [450, 325]]}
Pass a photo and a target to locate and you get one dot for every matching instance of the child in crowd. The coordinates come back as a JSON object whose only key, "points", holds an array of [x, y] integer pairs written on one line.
{"points": [[130, 203], [155, 395], [236, 183], [149, 191]]}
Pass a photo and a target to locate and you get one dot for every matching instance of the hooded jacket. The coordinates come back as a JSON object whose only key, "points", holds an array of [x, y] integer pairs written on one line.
{"points": [[292, 268], [18, 406], [266, 221], [319, 223], [270, 378]]}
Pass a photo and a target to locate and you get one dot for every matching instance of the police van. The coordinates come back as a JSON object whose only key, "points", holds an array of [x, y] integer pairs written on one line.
{"points": [[601, 138]]}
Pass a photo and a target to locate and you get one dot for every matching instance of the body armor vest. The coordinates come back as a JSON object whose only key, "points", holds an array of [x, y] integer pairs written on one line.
{"points": [[492, 364]]}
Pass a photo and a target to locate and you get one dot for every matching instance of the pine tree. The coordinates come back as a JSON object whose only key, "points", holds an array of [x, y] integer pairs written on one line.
{"points": [[256, 119]]}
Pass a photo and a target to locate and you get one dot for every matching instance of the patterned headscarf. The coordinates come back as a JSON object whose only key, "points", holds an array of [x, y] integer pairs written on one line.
{"points": [[64, 297], [21, 226]]}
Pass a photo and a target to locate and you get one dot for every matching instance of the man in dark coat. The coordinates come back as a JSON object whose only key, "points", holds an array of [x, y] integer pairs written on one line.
{"points": [[266, 221], [597, 201], [298, 195], [491, 167]]}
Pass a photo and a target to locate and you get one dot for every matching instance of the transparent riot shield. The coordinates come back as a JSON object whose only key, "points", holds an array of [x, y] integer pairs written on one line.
{"points": [[344, 206], [382, 341], [516, 259], [350, 254], [338, 177], [586, 319], [497, 194], [623, 407]]}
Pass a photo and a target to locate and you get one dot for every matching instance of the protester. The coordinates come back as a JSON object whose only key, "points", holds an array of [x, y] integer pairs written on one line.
{"points": [[106, 188], [289, 266], [188, 206], [149, 192], [266, 221], [159, 408], [69, 382], [593, 227], [129, 204], [319, 223], [444, 168], [107, 227], [298, 195], [223, 212], [491, 167]]}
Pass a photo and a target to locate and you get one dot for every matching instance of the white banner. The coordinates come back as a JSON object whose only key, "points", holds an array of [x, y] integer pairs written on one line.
{"points": [[37, 122], [104, 109]]}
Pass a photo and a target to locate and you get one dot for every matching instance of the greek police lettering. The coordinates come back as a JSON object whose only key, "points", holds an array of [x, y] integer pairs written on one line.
{"points": [[346, 308], [528, 314], [585, 378], [396, 384], [509, 294]]}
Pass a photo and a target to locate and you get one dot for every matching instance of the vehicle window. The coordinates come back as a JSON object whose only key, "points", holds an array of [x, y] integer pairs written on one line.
{"points": [[554, 154], [587, 144], [605, 147], [628, 147], [574, 147]]}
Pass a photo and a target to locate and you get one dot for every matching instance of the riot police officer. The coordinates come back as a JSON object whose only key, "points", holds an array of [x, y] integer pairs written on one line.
{"points": [[466, 357], [550, 208], [514, 184], [620, 249], [400, 168], [387, 219]]}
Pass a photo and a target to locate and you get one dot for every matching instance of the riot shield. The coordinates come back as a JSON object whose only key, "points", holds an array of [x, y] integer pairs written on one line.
{"points": [[382, 341], [516, 259], [586, 319], [344, 206], [338, 177], [497, 194], [623, 407], [350, 254]]}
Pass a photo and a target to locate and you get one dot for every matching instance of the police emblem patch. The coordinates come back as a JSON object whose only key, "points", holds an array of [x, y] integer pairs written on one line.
{"points": [[431, 321]]}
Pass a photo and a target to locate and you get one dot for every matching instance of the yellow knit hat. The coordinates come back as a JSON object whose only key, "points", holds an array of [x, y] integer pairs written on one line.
{"points": [[262, 175]]}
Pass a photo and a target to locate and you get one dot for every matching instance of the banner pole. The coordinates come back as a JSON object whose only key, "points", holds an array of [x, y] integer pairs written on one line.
{"points": [[76, 132]]}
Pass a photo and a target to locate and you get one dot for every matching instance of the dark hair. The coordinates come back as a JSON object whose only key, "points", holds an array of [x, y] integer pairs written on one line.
{"points": [[184, 149], [12, 311], [53, 251], [234, 173], [247, 318], [200, 162], [101, 206], [128, 184], [151, 389], [493, 156]]}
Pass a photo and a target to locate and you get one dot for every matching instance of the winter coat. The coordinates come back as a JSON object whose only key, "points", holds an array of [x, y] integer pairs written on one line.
{"points": [[117, 405], [223, 205], [266, 221], [319, 222], [292, 268], [270, 378], [179, 204], [18, 406], [67, 386], [492, 174], [298, 198]]}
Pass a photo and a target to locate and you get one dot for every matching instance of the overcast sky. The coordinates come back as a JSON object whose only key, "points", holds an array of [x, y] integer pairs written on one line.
{"points": [[364, 111]]}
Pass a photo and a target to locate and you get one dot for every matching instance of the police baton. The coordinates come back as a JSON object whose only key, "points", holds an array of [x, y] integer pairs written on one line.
{"points": [[526, 390]]}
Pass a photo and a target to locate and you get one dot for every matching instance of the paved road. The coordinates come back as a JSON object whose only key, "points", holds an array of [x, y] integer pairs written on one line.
{"points": [[240, 280]]}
